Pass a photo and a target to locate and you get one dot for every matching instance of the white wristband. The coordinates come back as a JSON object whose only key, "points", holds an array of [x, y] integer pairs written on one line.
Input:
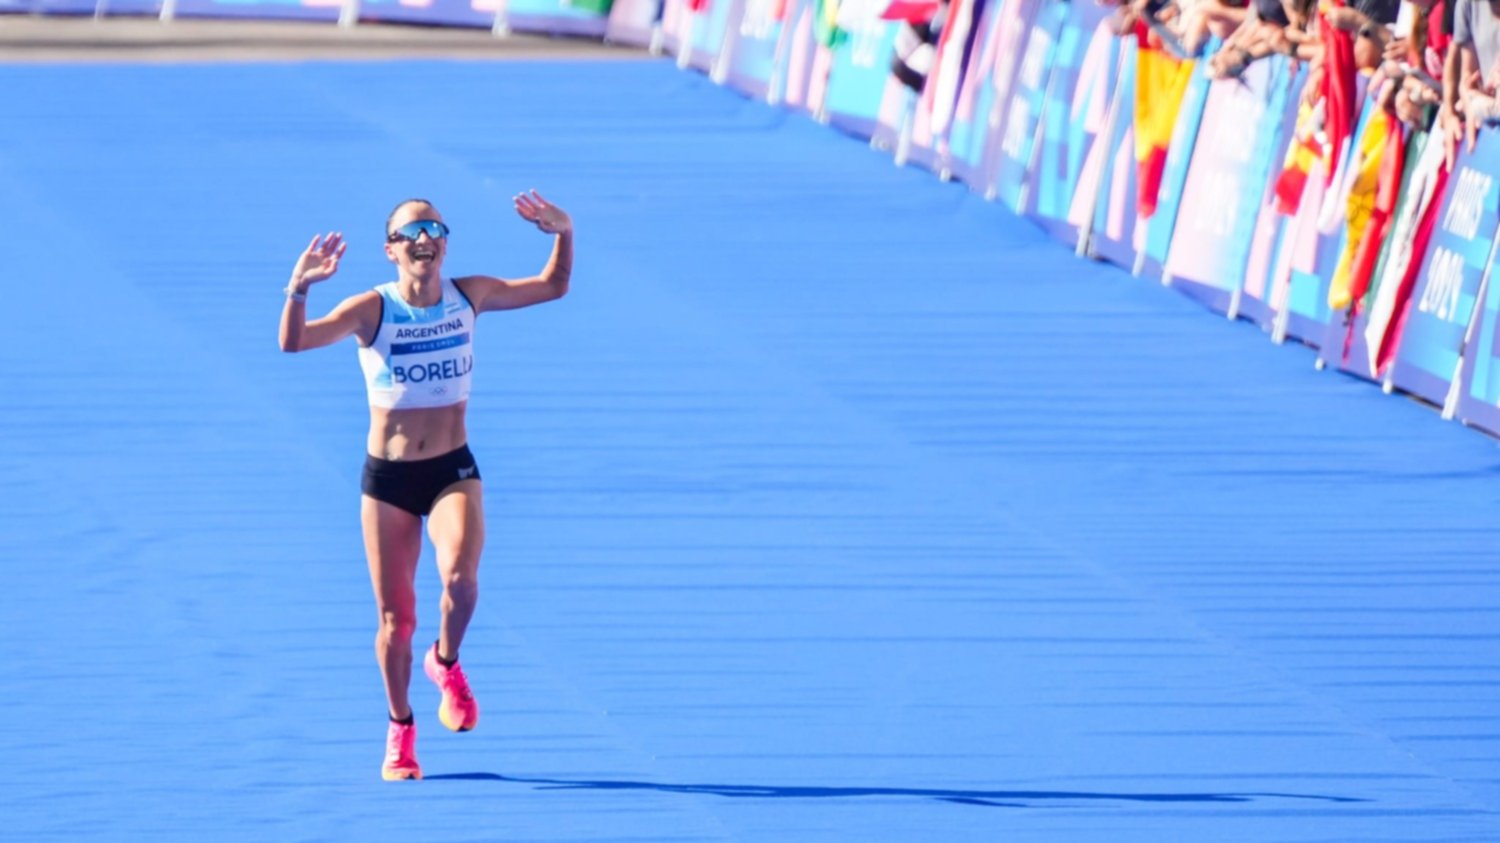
{"points": [[291, 293]]}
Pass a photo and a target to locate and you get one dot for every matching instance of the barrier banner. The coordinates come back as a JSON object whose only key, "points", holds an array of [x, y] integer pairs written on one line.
{"points": [[1479, 393], [1447, 286], [754, 46], [632, 21], [694, 30], [933, 118], [1077, 107], [478, 13], [1011, 168], [963, 155], [1299, 294], [81, 7], [307, 10], [859, 79], [1226, 183], [807, 60], [1253, 302], [552, 17], [1152, 257], [1112, 236], [975, 140]]}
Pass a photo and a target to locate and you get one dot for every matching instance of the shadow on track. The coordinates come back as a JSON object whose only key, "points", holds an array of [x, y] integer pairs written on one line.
{"points": [[986, 798]]}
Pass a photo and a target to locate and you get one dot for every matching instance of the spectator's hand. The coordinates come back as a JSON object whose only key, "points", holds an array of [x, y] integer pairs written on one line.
{"points": [[1409, 111], [1471, 96], [1452, 127], [1228, 63], [1419, 92], [1398, 49]]}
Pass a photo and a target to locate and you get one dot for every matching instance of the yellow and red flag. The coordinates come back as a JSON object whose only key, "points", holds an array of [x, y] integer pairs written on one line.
{"points": [[1160, 83], [1372, 200], [1306, 148]]}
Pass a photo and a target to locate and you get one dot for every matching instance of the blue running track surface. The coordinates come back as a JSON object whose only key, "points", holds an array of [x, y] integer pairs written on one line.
{"points": [[834, 504]]}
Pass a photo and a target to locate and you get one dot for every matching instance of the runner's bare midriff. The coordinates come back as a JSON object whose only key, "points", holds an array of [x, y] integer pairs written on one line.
{"points": [[417, 434]]}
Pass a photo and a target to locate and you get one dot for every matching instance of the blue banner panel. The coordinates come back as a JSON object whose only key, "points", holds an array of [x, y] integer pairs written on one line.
{"points": [[751, 46], [555, 17], [1113, 233], [974, 113], [860, 79], [479, 13], [318, 10], [1479, 395], [1077, 106], [702, 30], [979, 138], [1443, 300], [1253, 301], [1013, 165], [81, 7], [1226, 183]]}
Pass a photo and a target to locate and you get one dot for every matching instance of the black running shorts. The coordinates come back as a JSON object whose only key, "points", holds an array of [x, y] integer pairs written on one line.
{"points": [[415, 485]]}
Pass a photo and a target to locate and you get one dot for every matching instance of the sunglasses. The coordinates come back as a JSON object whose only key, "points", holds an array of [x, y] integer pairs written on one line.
{"points": [[413, 230]]}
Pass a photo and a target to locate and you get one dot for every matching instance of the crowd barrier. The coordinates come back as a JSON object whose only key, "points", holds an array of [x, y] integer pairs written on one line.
{"points": [[1334, 226]]}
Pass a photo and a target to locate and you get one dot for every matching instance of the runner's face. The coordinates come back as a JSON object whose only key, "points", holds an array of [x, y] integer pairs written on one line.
{"points": [[423, 256]]}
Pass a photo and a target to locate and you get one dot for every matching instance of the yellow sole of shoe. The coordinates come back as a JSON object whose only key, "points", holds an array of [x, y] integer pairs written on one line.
{"points": [[460, 727]]}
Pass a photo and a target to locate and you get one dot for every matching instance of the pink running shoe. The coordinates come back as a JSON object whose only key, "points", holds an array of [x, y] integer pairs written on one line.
{"points": [[401, 753], [458, 710]]}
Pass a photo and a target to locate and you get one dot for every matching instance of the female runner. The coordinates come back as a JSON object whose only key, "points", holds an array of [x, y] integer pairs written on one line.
{"points": [[415, 338]]}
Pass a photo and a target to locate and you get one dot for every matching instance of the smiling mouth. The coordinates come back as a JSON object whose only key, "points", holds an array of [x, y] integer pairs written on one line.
{"points": [[423, 254]]}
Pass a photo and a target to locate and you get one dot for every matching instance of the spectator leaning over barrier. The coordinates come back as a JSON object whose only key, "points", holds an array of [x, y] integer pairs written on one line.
{"points": [[1286, 27], [1417, 65], [1476, 35], [1183, 27], [1263, 31]]}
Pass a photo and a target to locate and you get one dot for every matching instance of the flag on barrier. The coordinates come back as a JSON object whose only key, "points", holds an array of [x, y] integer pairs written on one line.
{"points": [[1340, 90], [1376, 169], [1307, 147], [1161, 80], [1409, 243]]}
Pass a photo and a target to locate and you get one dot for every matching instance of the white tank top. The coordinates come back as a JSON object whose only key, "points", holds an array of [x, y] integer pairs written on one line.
{"points": [[421, 356]]}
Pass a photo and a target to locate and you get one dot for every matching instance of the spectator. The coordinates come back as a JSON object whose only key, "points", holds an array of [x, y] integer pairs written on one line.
{"points": [[1476, 67]]}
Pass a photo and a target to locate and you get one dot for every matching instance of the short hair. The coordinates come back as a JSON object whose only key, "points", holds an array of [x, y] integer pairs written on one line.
{"points": [[402, 204]]}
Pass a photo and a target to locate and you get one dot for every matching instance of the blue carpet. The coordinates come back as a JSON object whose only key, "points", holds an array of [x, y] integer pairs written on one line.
{"points": [[833, 504]]}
